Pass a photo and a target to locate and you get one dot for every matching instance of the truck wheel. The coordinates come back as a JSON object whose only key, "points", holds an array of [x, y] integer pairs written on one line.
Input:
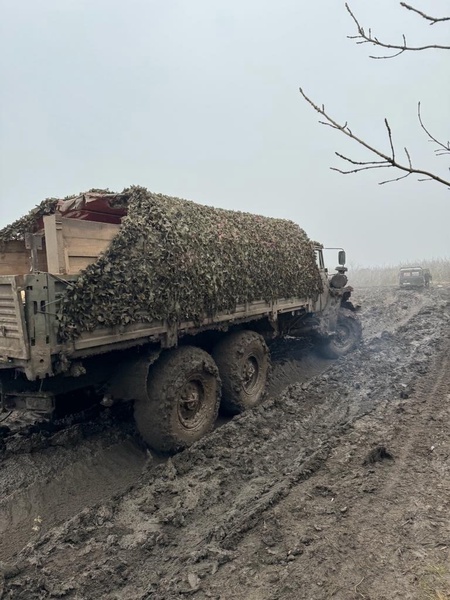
{"points": [[243, 361], [348, 335], [183, 389]]}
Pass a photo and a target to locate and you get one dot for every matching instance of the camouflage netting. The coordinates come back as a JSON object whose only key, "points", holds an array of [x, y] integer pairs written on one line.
{"points": [[176, 260], [28, 223], [31, 221]]}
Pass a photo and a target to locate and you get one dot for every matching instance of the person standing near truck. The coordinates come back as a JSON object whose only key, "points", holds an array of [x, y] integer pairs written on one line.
{"points": [[427, 278]]}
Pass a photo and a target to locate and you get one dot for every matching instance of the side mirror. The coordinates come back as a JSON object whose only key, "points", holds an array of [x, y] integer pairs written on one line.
{"points": [[341, 257]]}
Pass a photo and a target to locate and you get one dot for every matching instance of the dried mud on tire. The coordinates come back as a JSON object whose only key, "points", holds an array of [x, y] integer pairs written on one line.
{"points": [[278, 503], [159, 417]]}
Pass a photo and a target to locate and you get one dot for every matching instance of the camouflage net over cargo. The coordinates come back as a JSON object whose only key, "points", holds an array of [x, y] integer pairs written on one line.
{"points": [[32, 221], [28, 223], [177, 260]]}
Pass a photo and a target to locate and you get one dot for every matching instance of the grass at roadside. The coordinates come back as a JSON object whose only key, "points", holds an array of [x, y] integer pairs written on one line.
{"points": [[388, 274]]}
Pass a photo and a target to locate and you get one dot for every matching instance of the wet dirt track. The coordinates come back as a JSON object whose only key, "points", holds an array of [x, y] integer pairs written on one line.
{"points": [[338, 487]]}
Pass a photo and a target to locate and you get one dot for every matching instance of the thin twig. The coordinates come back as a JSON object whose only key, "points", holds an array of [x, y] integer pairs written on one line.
{"points": [[395, 179], [408, 157], [444, 148], [390, 139], [357, 586], [358, 162], [366, 168]]}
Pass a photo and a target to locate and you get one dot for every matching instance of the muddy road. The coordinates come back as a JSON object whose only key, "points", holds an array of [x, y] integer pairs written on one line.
{"points": [[338, 486]]}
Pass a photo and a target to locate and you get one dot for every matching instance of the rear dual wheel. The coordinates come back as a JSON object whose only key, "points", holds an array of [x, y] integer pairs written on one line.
{"points": [[183, 389]]}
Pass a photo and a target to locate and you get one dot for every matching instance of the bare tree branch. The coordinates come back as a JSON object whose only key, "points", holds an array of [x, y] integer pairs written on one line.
{"points": [[433, 20], [443, 148], [364, 38], [388, 161]]}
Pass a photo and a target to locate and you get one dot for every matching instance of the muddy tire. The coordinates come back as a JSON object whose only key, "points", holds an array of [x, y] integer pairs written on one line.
{"points": [[347, 337], [243, 361], [183, 389]]}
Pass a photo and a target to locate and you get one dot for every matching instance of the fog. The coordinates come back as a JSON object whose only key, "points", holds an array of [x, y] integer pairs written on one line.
{"points": [[199, 99]]}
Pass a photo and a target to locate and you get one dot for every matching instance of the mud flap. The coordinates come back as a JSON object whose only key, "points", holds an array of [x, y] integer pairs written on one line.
{"points": [[130, 383]]}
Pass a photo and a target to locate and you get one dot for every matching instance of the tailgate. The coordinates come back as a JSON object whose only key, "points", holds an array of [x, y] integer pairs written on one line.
{"points": [[13, 334]]}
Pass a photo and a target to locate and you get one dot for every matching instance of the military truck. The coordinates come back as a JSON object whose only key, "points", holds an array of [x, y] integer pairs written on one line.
{"points": [[414, 277], [160, 301]]}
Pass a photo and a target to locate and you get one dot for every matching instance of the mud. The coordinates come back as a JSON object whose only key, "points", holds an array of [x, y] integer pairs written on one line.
{"points": [[29, 512], [336, 487]]}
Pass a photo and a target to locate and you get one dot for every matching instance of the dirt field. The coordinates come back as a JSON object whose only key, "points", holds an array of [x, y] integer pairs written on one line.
{"points": [[338, 486]]}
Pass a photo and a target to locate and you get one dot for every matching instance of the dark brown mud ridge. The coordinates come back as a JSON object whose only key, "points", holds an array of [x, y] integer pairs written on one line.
{"points": [[263, 507], [25, 433]]}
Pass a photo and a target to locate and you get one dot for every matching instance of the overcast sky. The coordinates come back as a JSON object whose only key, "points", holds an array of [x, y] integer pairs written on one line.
{"points": [[199, 99]]}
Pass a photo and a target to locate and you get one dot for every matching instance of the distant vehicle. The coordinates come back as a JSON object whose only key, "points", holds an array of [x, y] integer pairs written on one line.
{"points": [[414, 277]]}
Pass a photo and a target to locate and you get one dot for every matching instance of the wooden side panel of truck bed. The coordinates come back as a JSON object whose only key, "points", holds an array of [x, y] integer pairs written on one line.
{"points": [[72, 245], [15, 258]]}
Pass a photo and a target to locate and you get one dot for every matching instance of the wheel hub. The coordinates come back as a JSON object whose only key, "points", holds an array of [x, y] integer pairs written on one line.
{"points": [[342, 335], [190, 404], [250, 373]]}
